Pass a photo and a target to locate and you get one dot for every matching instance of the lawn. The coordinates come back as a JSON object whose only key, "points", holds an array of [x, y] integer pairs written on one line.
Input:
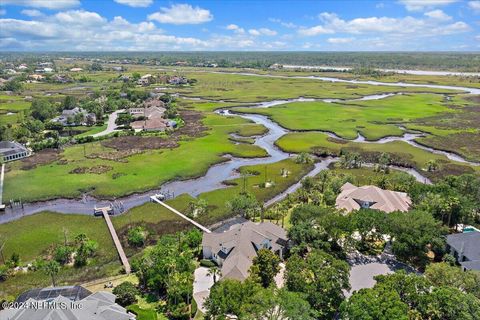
{"points": [[139, 172], [374, 119]]}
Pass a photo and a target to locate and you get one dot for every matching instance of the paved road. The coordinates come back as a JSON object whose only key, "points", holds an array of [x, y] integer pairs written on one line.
{"points": [[111, 125]]}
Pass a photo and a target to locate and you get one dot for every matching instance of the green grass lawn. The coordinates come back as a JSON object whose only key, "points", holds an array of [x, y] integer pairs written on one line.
{"points": [[140, 172], [374, 119]]}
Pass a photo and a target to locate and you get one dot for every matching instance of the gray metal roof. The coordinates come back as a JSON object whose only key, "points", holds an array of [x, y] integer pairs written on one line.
{"points": [[10, 147]]}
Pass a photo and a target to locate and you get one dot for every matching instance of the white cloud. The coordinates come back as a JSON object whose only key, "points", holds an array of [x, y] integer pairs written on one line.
{"points": [[48, 4], [31, 13], [135, 3], [3, 12], [438, 14], [182, 14], [262, 32], [289, 25], [386, 25], [235, 28], [340, 40], [315, 31], [474, 5], [477, 38], [419, 5], [89, 31]]}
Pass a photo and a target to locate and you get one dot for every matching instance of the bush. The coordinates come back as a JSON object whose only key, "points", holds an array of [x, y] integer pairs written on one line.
{"points": [[137, 236], [207, 263], [126, 293]]}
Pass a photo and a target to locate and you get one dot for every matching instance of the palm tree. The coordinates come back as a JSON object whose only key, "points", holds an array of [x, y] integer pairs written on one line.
{"points": [[214, 271], [432, 165], [52, 268]]}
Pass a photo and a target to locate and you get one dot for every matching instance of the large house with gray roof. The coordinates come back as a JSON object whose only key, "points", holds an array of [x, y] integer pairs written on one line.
{"points": [[234, 249], [67, 303], [465, 247], [371, 197]]}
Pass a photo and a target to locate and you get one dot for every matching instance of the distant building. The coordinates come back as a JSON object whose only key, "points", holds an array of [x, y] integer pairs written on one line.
{"points": [[36, 77], [67, 303], [76, 69], [234, 250], [10, 151], [465, 247], [371, 197], [67, 118], [175, 80], [145, 80]]}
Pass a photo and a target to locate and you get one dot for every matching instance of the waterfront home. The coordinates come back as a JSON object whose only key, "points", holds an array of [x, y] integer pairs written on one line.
{"points": [[465, 247]]}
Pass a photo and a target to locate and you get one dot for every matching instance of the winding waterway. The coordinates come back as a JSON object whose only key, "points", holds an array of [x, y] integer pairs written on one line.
{"points": [[214, 177]]}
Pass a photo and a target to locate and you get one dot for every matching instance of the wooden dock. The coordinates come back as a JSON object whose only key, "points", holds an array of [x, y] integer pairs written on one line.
{"points": [[196, 224], [116, 241]]}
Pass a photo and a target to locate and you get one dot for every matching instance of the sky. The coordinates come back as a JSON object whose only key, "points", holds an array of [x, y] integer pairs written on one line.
{"points": [[225, 25]]}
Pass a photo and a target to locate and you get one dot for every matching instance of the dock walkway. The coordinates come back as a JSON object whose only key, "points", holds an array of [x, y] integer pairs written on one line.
{"points": [[116, 241]]}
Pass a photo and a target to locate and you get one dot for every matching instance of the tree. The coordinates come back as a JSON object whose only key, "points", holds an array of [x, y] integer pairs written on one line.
{"points": [[379, 303], [383, 163], [13, 85], [63, 254], [51, 268], [197, 207], [370, 225], [304, 158], [42, 110], [244, 204], [124, 119], [125, 293], [265, 266], [214, 271], [137, 236], [69, 103], [321, 277], [443, 274], [447, 303], [432, 165], [412, 232]]}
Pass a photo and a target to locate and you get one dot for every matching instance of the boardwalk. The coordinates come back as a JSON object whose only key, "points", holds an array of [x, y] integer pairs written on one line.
{"points": [[196, 224], [117, 242]]}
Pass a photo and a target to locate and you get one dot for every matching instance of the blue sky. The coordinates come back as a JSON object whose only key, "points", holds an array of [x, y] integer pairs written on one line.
{"points": [[149, 25]]}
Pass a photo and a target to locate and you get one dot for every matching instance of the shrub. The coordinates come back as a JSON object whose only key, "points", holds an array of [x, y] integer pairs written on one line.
{"points": [[126, 293]]}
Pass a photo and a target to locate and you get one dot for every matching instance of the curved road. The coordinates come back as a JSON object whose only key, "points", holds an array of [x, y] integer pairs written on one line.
{"points": [[111, 125]]}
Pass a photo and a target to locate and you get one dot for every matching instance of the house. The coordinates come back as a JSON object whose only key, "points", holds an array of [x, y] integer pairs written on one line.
{"points": [[68, 116], [10, 150], [465, 247], [61, 78], [36, 77], [175, 80], [154, 124], [73, 303], [234, 249], [76, 69], [353, 198], [22, 67], [145, 80]]}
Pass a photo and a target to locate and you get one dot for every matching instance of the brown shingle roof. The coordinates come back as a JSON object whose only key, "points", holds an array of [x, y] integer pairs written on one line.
{"points": [[380, 199]]}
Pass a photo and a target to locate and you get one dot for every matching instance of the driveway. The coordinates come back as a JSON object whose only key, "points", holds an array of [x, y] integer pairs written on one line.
{"points": [[111, 125], [365, 268], [201, 286]]}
